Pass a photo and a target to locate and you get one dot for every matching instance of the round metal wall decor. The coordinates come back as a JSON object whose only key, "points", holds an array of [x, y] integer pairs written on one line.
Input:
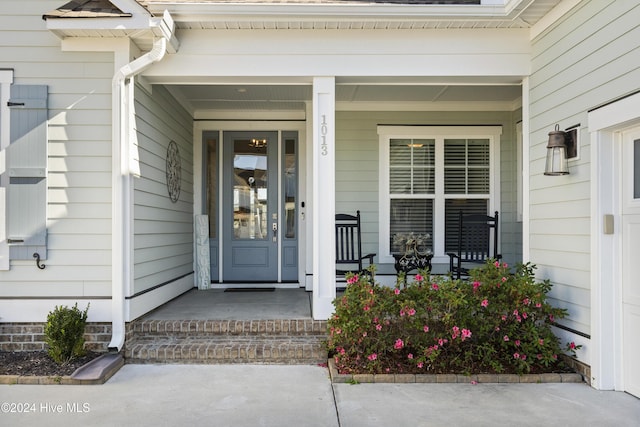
{"points": [[174, 171]]}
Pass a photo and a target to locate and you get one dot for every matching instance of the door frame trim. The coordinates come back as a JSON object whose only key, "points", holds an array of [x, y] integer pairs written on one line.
{"points": [[279, 126], [606, 125]]}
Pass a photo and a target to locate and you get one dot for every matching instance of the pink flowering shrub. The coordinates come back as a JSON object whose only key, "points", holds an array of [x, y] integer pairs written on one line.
{"points": [[497, 321]]}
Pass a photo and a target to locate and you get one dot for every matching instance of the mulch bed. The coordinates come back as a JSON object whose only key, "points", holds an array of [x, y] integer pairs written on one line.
{"points": [[38, 363]]}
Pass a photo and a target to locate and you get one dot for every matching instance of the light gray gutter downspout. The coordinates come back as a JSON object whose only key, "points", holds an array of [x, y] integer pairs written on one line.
{"points": [[121, 248]]}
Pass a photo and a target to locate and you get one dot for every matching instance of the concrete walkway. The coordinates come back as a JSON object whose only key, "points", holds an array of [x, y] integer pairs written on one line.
{"points": [[271, 395]]}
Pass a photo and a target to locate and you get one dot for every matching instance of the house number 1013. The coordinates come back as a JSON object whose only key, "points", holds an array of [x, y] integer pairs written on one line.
{"points": [[324, 148]]}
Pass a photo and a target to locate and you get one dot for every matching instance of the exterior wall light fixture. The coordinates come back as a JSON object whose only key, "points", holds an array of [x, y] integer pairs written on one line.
{"points": [[561, 147]]}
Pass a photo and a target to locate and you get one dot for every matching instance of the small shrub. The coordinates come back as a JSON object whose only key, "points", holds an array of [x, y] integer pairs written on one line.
{"points": [[64, 333], [497, 321]]}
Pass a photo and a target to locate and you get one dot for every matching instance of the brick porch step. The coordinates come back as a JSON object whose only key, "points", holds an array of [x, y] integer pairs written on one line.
{"points": [[281, 341]]}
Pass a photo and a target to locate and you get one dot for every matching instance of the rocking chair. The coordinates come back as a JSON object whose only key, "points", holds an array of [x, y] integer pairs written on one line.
{"points": [[349, 245], [477, 236]]}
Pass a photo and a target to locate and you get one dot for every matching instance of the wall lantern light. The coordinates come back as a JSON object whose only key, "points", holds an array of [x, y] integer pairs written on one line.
{"points": [[561, 147]]}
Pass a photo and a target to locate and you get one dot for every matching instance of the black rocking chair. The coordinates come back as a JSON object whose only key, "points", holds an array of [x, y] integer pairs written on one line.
{"points": [[349, 245], [477, 235]]}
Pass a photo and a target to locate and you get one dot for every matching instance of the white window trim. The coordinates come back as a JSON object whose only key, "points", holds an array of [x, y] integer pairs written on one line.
{"points": [[386, 133]]}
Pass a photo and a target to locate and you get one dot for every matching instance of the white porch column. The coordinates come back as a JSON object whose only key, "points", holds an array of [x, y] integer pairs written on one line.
{"points": [[324, 203]]}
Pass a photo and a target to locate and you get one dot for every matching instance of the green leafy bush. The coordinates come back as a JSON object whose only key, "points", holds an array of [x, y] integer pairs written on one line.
{"points": [[497, 321], [64, 333]]}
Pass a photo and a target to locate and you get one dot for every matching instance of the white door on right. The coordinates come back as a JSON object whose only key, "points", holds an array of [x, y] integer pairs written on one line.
{"points": [[630, 259]]}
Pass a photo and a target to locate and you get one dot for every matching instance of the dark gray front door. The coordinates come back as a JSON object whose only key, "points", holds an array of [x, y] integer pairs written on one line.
{"points": [[250, 207]]}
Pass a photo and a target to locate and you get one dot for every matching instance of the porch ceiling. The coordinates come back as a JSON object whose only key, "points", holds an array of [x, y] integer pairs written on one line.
{"points": [[263, 97]]}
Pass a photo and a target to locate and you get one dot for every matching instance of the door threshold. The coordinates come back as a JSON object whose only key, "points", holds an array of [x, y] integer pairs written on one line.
{"points": [[256, 285]]}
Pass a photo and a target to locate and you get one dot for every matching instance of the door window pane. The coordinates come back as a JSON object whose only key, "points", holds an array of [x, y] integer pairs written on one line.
{"points": [[212, 186], [250, 189], [290, 187]]}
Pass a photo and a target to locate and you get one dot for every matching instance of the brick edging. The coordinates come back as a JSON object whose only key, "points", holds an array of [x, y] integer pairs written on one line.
{"points": [[337, 378]]}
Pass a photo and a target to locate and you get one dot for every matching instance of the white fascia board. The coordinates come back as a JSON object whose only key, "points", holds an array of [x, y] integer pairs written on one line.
{"points": [[198, 12]]}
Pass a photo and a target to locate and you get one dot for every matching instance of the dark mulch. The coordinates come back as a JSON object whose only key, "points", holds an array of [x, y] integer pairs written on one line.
{"points": [[39, 363]]}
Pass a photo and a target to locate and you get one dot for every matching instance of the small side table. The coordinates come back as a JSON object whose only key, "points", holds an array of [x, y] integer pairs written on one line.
{"points": [[407, 263]]}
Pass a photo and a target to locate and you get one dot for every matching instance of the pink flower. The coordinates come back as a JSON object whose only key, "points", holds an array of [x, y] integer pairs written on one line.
{"points": [[466, 334], [517, 343], [364, 334], [410, 356], [540, 341], [440, 342], [504, 279], [435, 287], [524, 315], [474, 382], [523, 357], [515, 312], [516, 355], [506, 338], [484, 303], [412, 311], [371, 291], [497, 328], [419, 277], [555, 357], [398, 344], [426, 328], [420, 365], [497, 264], [572, 345], [366, 308], [372, 356], [526, 301], [351, 280], [551, 318], [476, 285], [538, 305], [504, 317], [396, 291], [539, 356], [504, 265], [379, 327]]}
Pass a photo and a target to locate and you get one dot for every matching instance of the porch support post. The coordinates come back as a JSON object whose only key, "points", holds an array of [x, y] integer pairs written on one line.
{"points": [[324, 205]]}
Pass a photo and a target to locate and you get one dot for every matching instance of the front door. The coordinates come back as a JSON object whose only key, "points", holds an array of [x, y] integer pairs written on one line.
{"points": [[250, 207], [630, 256]]}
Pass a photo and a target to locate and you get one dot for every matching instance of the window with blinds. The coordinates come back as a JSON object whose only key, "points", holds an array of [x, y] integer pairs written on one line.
{"points": [[428, 179]]}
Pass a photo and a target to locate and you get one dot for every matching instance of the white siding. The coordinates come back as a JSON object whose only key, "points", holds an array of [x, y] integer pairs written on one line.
{"points": [[357, 169], [590, 57], [79, 163], [163, 231]]}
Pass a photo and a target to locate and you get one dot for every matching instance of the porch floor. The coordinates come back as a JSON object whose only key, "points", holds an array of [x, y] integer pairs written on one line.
{"points": [[246, 305]]}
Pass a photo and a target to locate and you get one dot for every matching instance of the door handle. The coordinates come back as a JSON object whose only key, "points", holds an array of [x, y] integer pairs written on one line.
{"points": [[274, 227]]}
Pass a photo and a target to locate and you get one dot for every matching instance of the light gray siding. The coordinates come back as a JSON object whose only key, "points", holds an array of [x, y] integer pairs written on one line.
{"points": [[79, 158], [357, 169], [163, 230], [590, 57]]}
